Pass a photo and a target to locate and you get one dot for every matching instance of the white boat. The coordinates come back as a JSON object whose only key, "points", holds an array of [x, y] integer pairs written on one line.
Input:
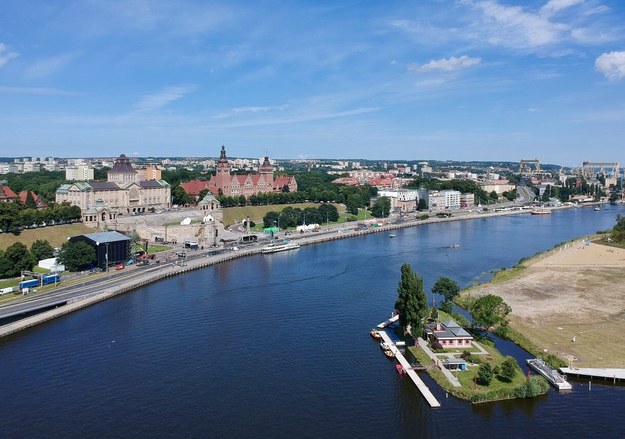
{"points": [[597, 209], [279, 247]]}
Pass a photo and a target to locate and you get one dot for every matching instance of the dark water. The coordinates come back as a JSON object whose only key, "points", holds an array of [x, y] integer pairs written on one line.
{"points": [[278, 346]]}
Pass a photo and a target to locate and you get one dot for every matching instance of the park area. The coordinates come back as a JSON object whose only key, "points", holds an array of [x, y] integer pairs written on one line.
{"points": [[570, 302]]}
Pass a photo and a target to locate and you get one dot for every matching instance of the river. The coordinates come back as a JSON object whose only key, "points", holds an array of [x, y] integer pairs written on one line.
{"points": [[278, 346]]}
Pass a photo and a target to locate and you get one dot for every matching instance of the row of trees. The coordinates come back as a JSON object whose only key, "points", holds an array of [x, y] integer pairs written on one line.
{"points": [[293, 216], [17, 257], [15, 216]]}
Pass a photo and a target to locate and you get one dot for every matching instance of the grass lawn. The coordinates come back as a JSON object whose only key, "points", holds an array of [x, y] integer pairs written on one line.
{"points": [[55, 235], [153, 248]]}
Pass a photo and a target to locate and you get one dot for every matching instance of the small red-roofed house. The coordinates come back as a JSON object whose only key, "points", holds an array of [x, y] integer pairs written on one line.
{"points": [[7, 195]]}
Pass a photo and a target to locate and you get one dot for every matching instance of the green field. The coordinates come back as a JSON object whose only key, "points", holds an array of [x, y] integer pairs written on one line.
{"points": [[55, 235]]}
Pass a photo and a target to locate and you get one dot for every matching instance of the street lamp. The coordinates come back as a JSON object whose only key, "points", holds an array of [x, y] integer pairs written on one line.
{"points": [[107, 256]]}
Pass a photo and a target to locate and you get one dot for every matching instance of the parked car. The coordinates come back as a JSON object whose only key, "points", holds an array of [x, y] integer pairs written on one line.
{"points": [[119, 267]]}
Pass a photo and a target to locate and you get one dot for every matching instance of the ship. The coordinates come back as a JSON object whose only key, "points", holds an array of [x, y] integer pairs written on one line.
{"points": [[279, 247]]}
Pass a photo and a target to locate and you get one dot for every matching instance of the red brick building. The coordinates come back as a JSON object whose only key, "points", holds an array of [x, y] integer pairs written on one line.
{"points": [[224, 183]]}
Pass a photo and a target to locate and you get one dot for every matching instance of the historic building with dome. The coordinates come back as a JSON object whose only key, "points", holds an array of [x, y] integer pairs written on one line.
{"points": [[123, 193]]}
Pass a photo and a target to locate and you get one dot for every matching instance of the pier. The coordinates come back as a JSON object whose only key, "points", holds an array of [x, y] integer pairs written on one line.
{"points": [[550, 374], [595, 372], [388, 322], [408, 368]]}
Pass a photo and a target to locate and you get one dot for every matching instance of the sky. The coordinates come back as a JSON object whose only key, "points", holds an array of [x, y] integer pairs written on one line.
{"points": [[382, 80]]}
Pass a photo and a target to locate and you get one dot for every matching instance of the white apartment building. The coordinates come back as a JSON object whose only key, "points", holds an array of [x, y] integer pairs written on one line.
{"points": [[403, 200], [82, 172], [448, 199]]}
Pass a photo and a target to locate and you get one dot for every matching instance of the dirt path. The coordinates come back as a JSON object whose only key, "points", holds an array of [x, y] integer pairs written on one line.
{"points": [[571, 302]]}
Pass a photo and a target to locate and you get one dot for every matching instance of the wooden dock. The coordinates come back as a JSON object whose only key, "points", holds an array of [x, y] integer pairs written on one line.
{"points": [[550, 374], [388, 322], [429, 397], [595, 372]]}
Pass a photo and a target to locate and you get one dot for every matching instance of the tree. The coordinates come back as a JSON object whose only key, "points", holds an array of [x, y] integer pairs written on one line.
{"points": [[446, 287], [17, 258], [447, 307], [180, 196], [41, 249], [411, 301], [381, 208], [618, 231], [423, 205], [329, 212], [77, 255], [508, 368], [493, 196], [353, 202], [485, 374], [489, 310], [30, 201], [434, 313]]}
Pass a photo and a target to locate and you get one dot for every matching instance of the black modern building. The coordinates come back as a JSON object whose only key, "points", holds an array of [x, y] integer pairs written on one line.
{"points": [[111, 247]]}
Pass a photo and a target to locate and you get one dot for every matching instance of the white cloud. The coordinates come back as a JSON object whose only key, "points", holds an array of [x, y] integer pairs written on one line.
{"points": [[514, 27], [6, 55], [448, 64], [158, 100], [251, 109], [48, 66], [34, 91], [612, 65], [554, 6]]}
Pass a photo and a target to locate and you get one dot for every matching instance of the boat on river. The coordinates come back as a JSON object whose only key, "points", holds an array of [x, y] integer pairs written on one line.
{"points": [[280, 247], [375, 333], [597, 209], [389, 353], [540, 211]]}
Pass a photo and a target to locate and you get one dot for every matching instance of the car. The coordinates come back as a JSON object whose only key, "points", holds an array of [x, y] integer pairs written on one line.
{"points": [[119, 267]]}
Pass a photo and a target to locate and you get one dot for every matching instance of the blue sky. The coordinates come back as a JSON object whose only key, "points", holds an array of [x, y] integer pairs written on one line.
{"points": [[401, 80]]}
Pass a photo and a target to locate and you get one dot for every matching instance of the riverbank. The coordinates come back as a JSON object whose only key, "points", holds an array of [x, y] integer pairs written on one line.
{"points": [[568, 302], [145, 277]]}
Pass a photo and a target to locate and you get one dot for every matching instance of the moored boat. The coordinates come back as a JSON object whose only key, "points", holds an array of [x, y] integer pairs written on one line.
{"points": [[389, 353], [375, 333], [540, 211], [280, 247]]}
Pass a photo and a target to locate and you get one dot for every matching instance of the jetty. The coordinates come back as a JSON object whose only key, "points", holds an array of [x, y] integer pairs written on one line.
{"points": [[595, 372], [550, 374], [409, 370], [390, 321]]}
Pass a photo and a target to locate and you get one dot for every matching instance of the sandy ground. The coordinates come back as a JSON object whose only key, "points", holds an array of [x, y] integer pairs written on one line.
{"points": [[571, 302]]}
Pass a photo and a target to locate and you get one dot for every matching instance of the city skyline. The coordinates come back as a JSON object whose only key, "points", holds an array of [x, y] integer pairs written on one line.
{"points": [[445, 80]]}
